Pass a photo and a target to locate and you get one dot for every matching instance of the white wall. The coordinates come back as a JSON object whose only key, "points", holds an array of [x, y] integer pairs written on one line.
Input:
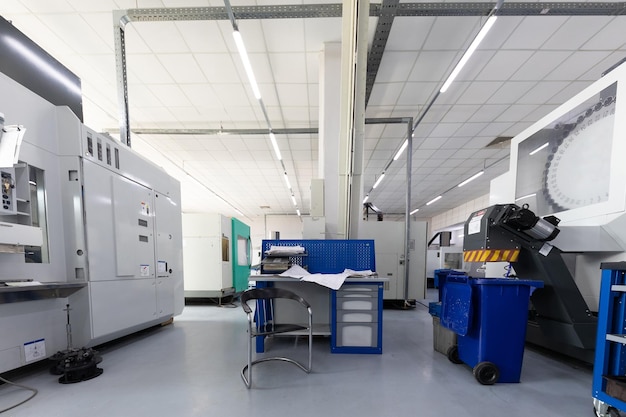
{"points": [[457, 215], [289, 226]]}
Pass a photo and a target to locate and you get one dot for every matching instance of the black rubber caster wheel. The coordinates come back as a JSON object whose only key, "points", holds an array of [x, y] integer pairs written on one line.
{"points": [[486, 373], [614, 412], [453, 355]]}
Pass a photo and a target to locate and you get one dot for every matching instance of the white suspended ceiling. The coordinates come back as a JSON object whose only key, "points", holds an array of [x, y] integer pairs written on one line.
{"points": [[188, 75]]}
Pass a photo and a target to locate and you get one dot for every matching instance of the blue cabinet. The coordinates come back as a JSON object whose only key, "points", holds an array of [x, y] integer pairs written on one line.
{"points": [[609, 383], [357, 318]]}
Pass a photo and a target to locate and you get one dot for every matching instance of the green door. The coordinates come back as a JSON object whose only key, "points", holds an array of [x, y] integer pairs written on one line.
{"points": [[241, 255]]}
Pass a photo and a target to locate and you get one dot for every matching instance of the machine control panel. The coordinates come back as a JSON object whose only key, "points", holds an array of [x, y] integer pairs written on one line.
{"points": [[7, 178]]}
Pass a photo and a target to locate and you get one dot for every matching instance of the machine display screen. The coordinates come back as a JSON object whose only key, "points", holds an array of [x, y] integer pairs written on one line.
{"points": [[567, 164]]}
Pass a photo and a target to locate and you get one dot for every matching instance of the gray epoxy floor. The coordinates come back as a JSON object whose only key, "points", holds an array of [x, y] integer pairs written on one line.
{"points": [[191, 368]]}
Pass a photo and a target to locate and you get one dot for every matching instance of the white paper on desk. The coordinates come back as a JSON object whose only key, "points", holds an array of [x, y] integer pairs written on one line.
{"points": [[296, 271], [332, 281], [352, 273], [22, 283], [285, 250]]}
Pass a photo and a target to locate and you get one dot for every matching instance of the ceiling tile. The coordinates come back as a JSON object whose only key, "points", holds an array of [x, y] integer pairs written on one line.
{"points": [[533, 32], [395, 66], [161, 37], [451, 32], [292, 94], [170, 95], [538, 66], [202, 36], [503, 65], [284, 35], [409, 33], [182, 67], [289, 68], [148, 69], [575, 32]]}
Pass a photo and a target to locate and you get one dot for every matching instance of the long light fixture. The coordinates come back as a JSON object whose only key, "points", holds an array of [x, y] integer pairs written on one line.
{"points": [[545, 145], [379, 180], [468, 53], [414, 211], [433, 200], [525, 196], [245, 59], [275, 146], [472, 178], [243, 54], [402, 148], [366, 198]]}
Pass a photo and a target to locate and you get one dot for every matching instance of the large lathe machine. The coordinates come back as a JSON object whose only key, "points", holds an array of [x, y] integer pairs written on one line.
{"points": [[560, 317]]}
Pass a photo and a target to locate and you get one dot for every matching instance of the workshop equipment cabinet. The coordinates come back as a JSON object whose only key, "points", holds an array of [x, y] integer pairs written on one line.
{"points": [[357, 313], [609, 368]]}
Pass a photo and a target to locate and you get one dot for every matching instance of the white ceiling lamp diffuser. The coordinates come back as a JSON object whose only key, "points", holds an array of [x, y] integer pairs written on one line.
{"points": [[379, 180], [468, 53], [472, 178]]}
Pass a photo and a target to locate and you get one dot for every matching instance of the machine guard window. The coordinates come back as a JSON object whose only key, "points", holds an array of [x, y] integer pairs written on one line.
{"points": [[243, 248], [38, 216], [225, 249]]}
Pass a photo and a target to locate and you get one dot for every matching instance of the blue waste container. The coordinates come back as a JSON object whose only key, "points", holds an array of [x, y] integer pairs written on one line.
{"points": [[489, 316], [441, 276]]}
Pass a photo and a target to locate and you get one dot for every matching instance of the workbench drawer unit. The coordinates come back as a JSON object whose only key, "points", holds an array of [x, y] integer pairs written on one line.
{"points": [[609, 365], [357, 318]]}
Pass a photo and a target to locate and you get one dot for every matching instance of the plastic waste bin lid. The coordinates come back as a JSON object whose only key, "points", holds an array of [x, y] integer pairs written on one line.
{"points": [[456, 307]]}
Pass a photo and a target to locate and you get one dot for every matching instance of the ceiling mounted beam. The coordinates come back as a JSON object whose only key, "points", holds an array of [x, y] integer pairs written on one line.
{"points": [[218, 132], [381, 35], [513, 9], [304, 11]]}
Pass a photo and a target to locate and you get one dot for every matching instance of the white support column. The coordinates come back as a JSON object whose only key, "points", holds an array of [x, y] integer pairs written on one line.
{"points": [[358, 119], [329, 90], [342, 121], [352, 118]]}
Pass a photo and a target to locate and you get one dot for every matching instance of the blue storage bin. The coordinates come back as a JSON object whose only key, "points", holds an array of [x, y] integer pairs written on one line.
{"points": [[434, 308], [489, 316]]}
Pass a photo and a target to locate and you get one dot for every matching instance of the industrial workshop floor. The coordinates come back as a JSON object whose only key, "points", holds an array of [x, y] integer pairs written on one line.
{"points": [[191, 368]]}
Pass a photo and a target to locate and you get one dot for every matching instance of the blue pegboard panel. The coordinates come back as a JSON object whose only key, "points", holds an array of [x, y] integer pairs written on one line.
{"points": [[330, 256]]}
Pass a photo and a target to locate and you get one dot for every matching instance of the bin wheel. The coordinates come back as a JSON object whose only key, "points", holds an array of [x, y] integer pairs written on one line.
{"points": [[614, 412], [486, 373], [453, 354]]}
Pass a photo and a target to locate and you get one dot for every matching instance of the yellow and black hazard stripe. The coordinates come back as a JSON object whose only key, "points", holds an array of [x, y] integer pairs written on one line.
{"points": [[491, 255]]}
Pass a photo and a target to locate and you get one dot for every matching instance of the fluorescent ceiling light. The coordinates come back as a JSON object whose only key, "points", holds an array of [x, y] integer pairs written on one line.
{"points": [[287, 181], [473, 177], [298, 212], [414, 211], [243, 54], [402, 148], [545, 145], [275, 146], [293, 200], [379, 180], [526, 196], [433, 200], [466, 56], [366, 198]]}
